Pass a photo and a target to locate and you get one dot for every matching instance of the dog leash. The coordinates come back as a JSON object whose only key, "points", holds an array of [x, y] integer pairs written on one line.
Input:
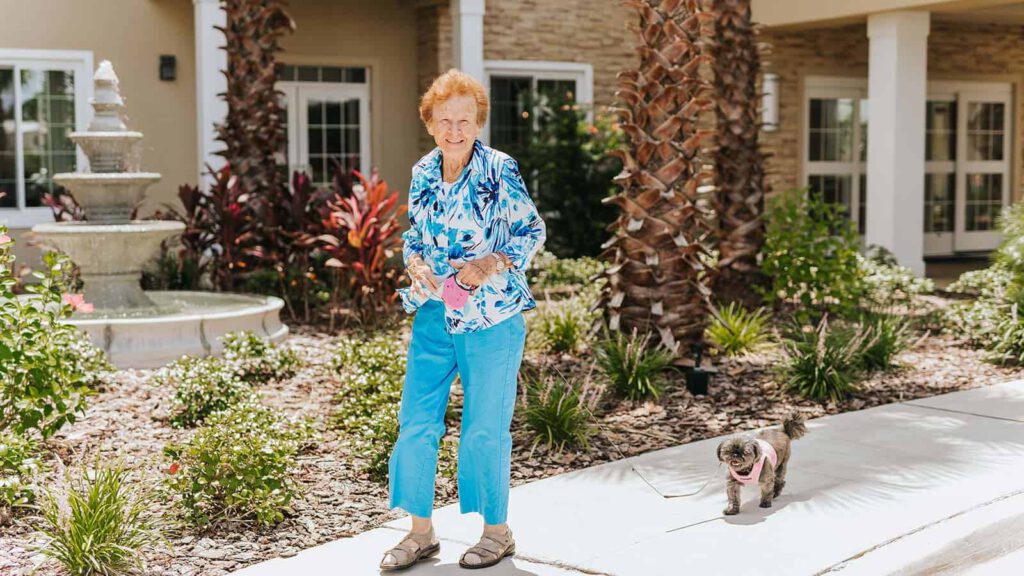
{"points": [[600, 432]]}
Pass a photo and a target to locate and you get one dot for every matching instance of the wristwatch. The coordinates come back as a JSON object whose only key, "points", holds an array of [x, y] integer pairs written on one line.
{"points": [[499, 266]]}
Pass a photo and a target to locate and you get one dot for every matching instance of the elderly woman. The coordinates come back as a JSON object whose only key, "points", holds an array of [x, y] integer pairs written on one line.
{"points": [[473, 231]]}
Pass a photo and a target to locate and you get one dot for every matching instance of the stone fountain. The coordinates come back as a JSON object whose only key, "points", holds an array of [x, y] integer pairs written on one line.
{"points": [[136, 328]]}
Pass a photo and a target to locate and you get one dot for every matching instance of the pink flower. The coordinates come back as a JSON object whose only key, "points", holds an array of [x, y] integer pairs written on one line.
{"points": [[77, 302], [4, 239]]}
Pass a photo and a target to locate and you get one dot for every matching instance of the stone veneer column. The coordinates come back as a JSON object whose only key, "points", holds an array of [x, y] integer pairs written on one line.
{"points": [[211, 59], [897, 95], [468, 36]]}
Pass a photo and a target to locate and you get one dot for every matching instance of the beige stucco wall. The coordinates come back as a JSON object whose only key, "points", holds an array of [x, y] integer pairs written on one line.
{"points": [[382, 36], [132, 34], [956, 51]]}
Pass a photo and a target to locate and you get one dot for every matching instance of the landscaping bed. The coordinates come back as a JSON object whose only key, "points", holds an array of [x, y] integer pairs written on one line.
{"points": [[129, 417]]}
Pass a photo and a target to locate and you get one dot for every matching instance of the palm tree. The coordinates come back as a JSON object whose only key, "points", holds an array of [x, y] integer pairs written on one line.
{"points": [[659, 275], [739, 163]]}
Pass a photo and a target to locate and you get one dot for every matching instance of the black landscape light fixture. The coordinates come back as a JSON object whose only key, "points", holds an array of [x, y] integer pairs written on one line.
{"points": [[697, 378], [168, 67]]}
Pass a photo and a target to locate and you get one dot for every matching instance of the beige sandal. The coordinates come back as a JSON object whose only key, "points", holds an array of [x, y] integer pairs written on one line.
{"points": [[413, 548], [491, 549]]}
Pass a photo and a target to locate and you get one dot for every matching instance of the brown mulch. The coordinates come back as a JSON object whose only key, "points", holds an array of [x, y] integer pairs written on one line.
{"points": [[128, 418]]}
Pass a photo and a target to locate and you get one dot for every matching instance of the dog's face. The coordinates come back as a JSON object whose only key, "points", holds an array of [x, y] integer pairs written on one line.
{"points": [[739, 453]]}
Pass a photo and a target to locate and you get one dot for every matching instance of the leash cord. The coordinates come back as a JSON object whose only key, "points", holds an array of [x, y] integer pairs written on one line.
{"points": [[601, 429]]}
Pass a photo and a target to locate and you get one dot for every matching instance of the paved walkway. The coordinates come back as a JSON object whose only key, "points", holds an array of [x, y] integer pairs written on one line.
{"points": [[933, 486]]}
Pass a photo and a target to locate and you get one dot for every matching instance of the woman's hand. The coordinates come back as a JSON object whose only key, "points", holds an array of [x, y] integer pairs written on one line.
{"points": [[475, 272], [421, 274]]}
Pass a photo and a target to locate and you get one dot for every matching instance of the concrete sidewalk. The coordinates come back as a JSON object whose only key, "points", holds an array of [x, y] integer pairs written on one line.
{"points": [[933, 486]]}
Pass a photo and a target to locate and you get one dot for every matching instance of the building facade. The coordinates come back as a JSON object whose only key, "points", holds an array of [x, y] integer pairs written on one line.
{"points": [[933, 86]]}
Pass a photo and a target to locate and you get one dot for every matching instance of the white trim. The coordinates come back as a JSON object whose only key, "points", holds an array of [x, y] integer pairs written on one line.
{"points": [[468, 36], [211, 60], [80, 63], [580, 72]]}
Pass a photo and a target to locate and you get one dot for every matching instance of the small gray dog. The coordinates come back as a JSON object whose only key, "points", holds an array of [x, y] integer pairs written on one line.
{"points": [[760, 459]]}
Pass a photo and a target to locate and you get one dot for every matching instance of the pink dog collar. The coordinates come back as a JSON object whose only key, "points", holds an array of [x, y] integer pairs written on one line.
{"points": [[767, 452]]}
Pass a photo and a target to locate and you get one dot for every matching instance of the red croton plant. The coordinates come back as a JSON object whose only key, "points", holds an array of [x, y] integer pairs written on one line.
{"points": [[363, 236]]}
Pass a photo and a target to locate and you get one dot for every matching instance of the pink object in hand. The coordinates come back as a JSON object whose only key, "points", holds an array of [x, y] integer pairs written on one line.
{"points": [[454, 296], [767, 452]]}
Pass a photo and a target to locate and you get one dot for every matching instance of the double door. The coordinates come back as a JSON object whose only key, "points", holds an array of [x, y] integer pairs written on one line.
{"points": [[968, 165]]}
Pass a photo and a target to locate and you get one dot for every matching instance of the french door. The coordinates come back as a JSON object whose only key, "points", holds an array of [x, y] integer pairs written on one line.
{"points": [[328, 126], [967, 169]]}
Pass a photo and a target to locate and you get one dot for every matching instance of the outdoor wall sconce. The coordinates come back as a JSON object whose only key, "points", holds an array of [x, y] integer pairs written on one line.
{"points": [[770, 102], [168, 67]]}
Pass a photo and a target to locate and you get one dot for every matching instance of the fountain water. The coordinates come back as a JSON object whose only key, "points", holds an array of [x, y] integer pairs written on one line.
{"points": [[134, 327]]}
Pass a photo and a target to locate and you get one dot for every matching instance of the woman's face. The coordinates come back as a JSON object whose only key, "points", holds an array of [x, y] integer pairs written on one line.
{"points": [[454, 126]]}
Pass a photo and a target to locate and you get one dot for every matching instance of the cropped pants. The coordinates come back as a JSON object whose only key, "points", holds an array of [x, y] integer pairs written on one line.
{"points": [[487, 362]]}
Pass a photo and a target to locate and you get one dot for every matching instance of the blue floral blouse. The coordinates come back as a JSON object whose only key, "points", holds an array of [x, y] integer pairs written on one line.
{"points": [[487, 210]]}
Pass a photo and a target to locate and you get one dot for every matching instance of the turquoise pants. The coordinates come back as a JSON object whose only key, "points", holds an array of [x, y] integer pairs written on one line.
{"points": [[488, 363]]}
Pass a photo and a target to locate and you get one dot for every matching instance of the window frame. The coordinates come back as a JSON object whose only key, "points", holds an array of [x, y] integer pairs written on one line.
{"points": [[827, 87], [80, 63], [292, 89], [580, 72]]}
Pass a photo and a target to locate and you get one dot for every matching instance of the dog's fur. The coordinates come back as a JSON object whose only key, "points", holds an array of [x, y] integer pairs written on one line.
{"points": [[740, 454]]}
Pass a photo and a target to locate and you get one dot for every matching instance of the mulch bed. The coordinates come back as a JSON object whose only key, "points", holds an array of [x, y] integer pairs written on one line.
{"points": [[128, 418]]}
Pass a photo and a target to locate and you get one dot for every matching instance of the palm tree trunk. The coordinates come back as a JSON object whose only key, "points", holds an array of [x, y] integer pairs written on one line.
{"points": [[659, 274]]}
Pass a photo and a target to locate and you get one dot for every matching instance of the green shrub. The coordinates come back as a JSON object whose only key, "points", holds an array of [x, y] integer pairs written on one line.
{"points": [[887, 284], [736, 330], [558, 413], [256, 360], [238, 466], [886, 337], [634, 369], [46, 370], [549, 271], [562, 326], [98, 522], [810, 253], [202, 386], [20, 470], [567, 164], [822, 363], [371, 373]]}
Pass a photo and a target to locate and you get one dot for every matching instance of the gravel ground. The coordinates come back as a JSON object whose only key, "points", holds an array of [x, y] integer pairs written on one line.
{"points": [[128, 418]]}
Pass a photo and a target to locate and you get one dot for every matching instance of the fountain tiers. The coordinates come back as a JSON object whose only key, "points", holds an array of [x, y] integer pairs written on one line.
{"points": [[137, 329]]}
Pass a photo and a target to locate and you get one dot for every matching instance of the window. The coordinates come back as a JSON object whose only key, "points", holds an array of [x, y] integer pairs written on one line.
{"points": [[511, 84], [327, 120], [940, 165], [836, 152], [43, 98]]}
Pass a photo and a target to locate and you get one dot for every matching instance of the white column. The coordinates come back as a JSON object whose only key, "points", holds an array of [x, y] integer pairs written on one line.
{"points": [[897, 95], [468, 36], [211, 60]]}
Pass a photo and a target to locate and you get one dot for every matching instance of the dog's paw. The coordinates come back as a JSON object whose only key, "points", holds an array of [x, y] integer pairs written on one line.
{"points": [[778, 489], [730, 511], [766, 504]]}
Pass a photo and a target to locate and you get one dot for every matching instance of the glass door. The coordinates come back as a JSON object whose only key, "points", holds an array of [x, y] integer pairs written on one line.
{"points": [[940, 173], [328, 125], [983, 174]]}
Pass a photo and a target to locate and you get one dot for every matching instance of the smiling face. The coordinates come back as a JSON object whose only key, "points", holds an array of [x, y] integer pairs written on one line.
{"points": [[454, 126]]}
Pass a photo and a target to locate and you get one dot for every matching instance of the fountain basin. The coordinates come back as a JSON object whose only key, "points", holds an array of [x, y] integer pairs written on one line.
{"points": [[109, 152], [110, 257], [107, 197], [202, 318]]}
